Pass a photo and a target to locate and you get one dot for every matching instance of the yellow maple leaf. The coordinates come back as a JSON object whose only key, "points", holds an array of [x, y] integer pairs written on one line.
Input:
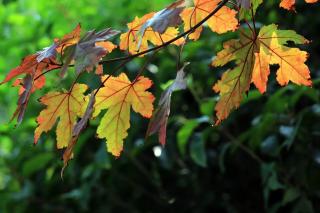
{"points": [[131, 40], [224, 20], [67, 106], [134, 41], [291, 61], [253, 54], [118, 95]]}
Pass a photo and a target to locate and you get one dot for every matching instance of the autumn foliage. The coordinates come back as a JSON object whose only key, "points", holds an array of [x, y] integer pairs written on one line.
{"points": [[248, 59]]}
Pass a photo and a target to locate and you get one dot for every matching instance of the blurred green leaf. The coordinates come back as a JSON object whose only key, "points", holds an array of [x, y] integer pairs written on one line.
{"points": [[290, 195], [186, 131], [198, 151], [207, 107], [184, 134], [36, 163]]}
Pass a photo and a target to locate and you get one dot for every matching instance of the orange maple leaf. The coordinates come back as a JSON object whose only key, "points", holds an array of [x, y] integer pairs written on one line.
{"points": [[253, 54], [118, 95], [130, 40], [224, 20], [67, 106]]}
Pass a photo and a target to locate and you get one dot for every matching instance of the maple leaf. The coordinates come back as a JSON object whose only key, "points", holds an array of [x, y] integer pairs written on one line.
{"points": [[130, 40], [136, 41], [224, 20], [118, 95], [159, 120], [289, 4], [291, 61], [89, 50], [253, 55], [67, 106]]}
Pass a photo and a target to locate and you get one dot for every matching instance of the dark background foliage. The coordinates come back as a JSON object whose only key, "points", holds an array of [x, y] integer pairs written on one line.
{"points": [[264, 158]]}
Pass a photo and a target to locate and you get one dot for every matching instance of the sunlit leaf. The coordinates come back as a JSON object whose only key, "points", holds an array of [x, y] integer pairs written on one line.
{"points": [[224, 20], [67, 106], [118, 96], [253, 56]]}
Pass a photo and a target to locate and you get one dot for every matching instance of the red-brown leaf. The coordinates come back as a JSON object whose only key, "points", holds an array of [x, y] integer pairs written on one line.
{"points": [[159, 120]]}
